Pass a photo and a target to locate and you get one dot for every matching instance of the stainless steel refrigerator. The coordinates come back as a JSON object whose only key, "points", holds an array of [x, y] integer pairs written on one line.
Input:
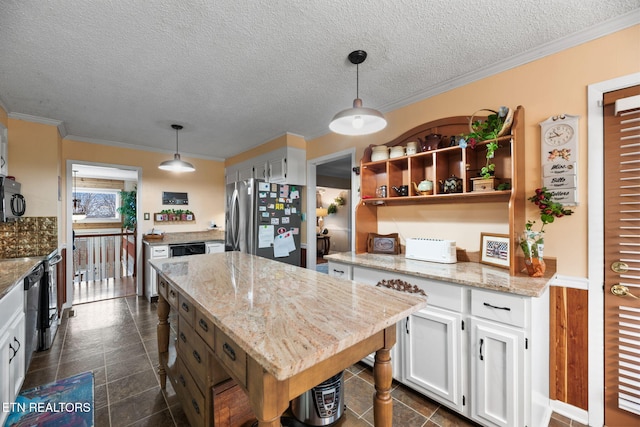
{"points": [[263, 219]]}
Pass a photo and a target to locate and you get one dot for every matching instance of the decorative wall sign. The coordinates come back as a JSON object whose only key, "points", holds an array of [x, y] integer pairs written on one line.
{"points": [[559, 157]]}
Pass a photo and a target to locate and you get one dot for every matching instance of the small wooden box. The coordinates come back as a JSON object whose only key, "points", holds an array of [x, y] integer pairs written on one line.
{"points": [[231, 406], [484, 184]]}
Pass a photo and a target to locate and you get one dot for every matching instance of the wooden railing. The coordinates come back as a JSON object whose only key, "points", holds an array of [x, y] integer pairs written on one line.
{"points": [[104, 256]]}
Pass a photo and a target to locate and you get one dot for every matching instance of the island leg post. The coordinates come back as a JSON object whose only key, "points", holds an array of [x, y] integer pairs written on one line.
{"points": [[382, 376], [163, 339]]}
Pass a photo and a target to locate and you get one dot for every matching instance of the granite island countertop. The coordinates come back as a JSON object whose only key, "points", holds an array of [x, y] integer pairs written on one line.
{"points": [[463, 273], [286, 318], [187, 237], [14, 270]]}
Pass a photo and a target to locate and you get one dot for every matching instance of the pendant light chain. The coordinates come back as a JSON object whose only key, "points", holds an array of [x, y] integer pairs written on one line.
{"points": [[358, 81]]}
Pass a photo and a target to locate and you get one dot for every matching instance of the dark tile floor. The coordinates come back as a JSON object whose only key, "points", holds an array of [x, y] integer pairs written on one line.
{"points": [[115, 339]]}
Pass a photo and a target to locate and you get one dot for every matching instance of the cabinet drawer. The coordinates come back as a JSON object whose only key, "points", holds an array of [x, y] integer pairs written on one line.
{"points": [[193, 351], [186, 309], [163, 287], [342, 271], [231, 356], [204, 328], [193, 401], [172, 296], [439, 294], [499, 307], [159, 251]]}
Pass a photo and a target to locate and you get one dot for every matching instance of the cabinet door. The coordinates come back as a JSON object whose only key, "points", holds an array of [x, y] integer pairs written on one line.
{"points": [[245, 173], [497, 374], [278, 170], [16, 356], [5, 388], [432, 346]]}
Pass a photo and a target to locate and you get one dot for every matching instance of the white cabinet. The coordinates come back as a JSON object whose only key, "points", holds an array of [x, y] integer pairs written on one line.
{"points": [[482, 353], [286, 165], [497, 374], [214, 247], [12, 346], [432, 355], [151, 283]]}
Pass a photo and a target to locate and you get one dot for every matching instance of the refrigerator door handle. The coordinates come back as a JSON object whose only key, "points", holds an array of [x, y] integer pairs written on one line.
{"points": [[235, 220]]}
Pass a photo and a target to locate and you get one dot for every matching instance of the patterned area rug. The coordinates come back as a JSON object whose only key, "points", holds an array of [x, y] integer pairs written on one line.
{"points": [[67, 402], [322, 268]]}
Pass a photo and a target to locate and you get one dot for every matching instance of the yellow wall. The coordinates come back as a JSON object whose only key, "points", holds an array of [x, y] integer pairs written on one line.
{"points": [[205, 186], [33, 159], [546, 87]]}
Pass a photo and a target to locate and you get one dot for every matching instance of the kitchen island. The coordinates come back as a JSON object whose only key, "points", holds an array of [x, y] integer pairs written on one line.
{"points": [[279, 330]]}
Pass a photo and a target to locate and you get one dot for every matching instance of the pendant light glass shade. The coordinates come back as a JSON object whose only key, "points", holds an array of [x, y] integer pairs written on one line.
{"points": [[358, 120], [79, 212], [177, 164]]}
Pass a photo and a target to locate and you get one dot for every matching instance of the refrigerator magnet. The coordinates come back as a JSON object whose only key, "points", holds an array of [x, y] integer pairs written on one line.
{"points": [[262, 208], [265, 214], [295, 230], [263, 186], [273, 195], [284, 190], [295, 194], [285, 220], [287, 211], [275, 221], [262, 195]]}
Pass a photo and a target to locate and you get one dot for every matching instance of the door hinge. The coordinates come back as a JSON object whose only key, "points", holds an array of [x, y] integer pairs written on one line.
{"points": [[464, 400], [526, 343], [462, 324]]}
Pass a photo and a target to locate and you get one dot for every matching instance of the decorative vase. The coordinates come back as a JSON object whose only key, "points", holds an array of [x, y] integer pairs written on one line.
{"points": [[532, 245]]}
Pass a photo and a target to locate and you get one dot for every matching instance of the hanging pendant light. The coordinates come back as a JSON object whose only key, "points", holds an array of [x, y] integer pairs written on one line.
{"points": [[176, 165], [358, 120], [79, 212]]}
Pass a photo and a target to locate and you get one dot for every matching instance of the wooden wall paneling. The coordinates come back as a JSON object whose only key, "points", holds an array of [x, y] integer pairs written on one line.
{"points": [[568, 358]]}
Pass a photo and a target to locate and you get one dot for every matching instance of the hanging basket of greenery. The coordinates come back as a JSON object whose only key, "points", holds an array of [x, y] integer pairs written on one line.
{"points": [[497, 124], [128, 209]]}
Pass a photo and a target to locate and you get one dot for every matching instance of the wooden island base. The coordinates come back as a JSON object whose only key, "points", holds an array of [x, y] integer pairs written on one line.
{"points": [[269, 398]]}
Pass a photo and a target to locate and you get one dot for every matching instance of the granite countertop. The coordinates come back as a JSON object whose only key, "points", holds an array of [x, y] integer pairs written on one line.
{"points": [[14, 270], [285, 317], [462, 273], [187, 237]]}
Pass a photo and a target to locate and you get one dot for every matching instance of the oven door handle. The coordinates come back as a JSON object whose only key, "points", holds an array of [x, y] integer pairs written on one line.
{"points": [[55, 260]]}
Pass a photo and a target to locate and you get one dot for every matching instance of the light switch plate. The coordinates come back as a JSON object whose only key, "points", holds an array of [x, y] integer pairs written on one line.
{"points": [[146, 216]]}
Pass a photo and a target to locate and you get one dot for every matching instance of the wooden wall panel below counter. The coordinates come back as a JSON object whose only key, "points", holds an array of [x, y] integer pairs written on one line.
{"points": [[569, 351]]}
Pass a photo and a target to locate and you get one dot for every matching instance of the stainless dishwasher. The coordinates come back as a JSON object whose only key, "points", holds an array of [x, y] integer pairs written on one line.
{"points": [[32, 304]]}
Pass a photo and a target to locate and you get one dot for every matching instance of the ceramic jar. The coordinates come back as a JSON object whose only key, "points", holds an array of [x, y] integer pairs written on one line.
{"points": [[379, 152], [412, 148], [397, 151]]}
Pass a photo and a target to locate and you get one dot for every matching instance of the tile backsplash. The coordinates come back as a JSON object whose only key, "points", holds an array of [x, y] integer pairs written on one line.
{"points": [[28, 236]]}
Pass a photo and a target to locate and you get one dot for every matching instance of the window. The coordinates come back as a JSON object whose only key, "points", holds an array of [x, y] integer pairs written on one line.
{"points": [[101, 204]]}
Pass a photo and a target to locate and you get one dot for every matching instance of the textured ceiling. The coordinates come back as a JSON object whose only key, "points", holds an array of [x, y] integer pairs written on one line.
{"points": [[239, 73]]}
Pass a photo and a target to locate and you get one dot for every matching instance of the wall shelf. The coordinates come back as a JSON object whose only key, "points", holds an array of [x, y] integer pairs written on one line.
{"points": [[439, 164]]}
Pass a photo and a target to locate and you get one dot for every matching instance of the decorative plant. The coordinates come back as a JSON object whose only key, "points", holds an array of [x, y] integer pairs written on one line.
{"points": [[488, 129], [532, 242], [127, 209], [339, 201], [333, 208], [549, 209]]}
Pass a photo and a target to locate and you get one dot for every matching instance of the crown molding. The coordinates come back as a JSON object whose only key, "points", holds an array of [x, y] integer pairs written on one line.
{"points": [[42, 120], [138, 147], [605, 28]]}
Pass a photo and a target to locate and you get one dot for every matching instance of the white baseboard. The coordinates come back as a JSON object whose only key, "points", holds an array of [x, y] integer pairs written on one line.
{"points": [[570, 411]]}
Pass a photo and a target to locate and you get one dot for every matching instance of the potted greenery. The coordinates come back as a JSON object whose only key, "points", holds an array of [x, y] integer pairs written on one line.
{"points": [[532, 242], [497, 124], [127, 209]]}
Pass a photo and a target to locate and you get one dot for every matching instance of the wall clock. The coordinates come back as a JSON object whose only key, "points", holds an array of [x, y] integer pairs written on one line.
{"points": [[559, 157]]}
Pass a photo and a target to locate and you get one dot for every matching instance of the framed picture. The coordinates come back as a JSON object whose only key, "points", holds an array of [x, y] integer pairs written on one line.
{"points": [[494, 249], [383, 244]]}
